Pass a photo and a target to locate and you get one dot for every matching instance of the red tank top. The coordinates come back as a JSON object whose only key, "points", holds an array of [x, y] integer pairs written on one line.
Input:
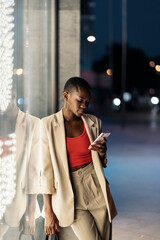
{"points": [[77, 149]]}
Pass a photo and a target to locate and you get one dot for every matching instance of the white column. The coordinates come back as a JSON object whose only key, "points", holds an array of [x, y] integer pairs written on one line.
{"points": [[69, 42]]}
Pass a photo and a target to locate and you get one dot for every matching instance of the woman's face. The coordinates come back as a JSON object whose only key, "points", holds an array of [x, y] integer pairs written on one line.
{"points": [[77, 101]]}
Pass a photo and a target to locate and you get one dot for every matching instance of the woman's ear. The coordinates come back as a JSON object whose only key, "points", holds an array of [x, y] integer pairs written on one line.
{"points": [[65, 96]]}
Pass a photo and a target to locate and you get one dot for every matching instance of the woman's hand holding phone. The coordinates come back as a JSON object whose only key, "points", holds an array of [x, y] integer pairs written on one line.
{"points": [[99, 144]]}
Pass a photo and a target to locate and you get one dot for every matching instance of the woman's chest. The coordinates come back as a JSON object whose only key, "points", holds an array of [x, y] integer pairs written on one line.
{"points": [[74, 129]]}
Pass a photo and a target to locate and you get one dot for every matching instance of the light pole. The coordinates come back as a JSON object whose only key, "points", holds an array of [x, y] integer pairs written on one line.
{"points": [[124, 59]]}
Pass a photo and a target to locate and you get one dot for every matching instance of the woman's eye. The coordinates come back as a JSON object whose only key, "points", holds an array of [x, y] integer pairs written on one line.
{"points": [[87, 103]]}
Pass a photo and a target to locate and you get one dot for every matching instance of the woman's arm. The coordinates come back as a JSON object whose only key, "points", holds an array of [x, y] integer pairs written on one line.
{"points": [[51, 221], [47, 184]]}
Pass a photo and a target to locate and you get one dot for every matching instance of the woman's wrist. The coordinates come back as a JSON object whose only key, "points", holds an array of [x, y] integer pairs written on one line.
{"points": [[48, 209], [102, 155]]}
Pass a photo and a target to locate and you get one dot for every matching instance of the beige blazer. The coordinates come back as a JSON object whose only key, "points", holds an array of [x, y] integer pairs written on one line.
{"points": [[55, 169], [27, 161]]}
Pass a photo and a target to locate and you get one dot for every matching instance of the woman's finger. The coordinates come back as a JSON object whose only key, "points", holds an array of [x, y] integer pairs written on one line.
{"points": [[52, 231], [57, 228], [97, 147]]}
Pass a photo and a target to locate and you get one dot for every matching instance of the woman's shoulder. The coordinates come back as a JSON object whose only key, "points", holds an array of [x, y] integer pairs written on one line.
{"points": [[91, 117], [55, 117]]}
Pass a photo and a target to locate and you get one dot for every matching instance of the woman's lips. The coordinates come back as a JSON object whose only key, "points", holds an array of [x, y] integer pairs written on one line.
{"points": [[81, 111]]}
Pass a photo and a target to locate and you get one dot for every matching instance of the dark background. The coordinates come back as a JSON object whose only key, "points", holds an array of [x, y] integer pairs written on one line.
{"points": [[131, 73]]}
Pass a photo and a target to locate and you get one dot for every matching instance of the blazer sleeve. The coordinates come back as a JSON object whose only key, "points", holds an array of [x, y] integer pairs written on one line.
{"points": [[104, 159], [47, 175], [33, 183]]}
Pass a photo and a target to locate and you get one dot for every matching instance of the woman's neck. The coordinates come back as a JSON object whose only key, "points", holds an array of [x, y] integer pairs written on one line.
{"points": [[69, 116]]}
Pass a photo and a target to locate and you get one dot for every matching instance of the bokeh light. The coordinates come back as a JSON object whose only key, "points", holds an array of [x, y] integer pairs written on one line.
{"points": [[91, 38], [127, 96], [109, 72], [154, 100], [152, 64], [117, 102], [19, 71], [20, 101], [157, 67]]}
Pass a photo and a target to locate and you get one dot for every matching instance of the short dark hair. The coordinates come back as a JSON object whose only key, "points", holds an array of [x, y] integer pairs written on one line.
{"points": [[77, 82]]}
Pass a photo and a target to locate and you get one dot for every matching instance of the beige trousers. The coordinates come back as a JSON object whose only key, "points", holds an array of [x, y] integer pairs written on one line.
{"points": [[91, 216]]}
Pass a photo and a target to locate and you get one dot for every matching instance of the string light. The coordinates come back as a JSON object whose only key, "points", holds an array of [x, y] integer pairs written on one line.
{"points": [[6, 52], [7, 171]]}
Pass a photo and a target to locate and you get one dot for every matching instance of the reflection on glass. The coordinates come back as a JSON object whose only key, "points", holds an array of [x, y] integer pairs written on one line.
{"points": [[7, 171], [19, 169], [27, 54]]}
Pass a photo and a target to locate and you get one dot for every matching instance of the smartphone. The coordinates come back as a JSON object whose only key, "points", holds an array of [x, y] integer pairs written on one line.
{"points": [[99, 140]]}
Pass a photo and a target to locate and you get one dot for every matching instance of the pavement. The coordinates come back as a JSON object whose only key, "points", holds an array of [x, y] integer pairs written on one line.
{"points": [[134, 175]]}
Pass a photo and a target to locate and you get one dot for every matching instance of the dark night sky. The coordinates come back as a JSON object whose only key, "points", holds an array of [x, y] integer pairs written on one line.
{"points": [[144, 26], [143, 23]]}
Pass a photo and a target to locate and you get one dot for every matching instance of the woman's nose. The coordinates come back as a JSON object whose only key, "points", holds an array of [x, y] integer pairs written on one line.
{"points": [[83, 105]]}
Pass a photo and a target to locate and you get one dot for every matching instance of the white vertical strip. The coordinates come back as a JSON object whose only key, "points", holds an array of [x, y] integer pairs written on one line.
{"points": [[6, 52]]}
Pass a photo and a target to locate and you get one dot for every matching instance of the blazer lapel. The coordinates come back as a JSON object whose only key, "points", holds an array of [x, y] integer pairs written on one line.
{"points": [[60, 138], [90, 127], [92, 133]]}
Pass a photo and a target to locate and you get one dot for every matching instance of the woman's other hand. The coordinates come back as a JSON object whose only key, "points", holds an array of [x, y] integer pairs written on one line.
{"points": [[51, 223]]}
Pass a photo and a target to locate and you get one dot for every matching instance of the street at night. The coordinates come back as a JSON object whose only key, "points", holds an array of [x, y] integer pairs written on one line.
{"points": [[133, 173]]}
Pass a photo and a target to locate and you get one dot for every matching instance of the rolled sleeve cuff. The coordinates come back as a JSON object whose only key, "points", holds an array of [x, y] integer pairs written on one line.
{"points": [[47, 190], [33, 190]]}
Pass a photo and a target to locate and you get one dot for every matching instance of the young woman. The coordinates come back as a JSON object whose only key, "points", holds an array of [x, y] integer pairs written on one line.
{"points": [[73, 181]]}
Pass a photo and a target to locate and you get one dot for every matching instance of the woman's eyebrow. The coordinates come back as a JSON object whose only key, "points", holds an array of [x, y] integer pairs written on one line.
{"points": [[84, 98]]}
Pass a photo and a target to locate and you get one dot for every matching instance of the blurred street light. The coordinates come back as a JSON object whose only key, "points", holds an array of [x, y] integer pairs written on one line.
{"points": [[109, 72], [20, 101], [154, 100], [18, 71], [152, 64], [117, 102], [157, 67], [91, 38], [127, 96]]}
